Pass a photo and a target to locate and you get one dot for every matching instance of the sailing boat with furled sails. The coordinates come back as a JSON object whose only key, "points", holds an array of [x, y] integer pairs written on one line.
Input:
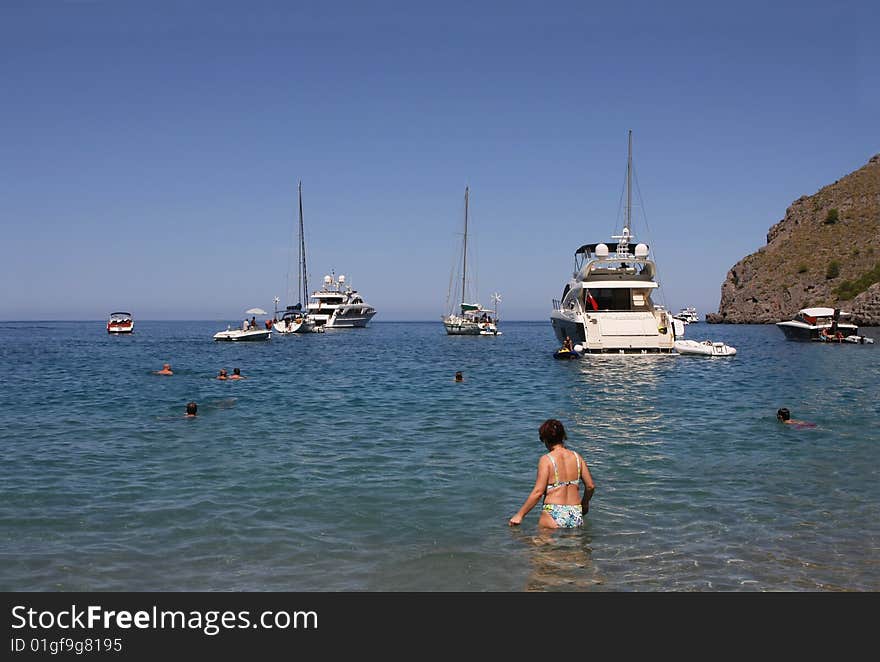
{"points": [[471, 319], [294, 319]]}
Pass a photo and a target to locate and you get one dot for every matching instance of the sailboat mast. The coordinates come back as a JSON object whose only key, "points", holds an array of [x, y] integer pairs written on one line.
{"points": [[464, 252], [303, 275], [629, 183]]}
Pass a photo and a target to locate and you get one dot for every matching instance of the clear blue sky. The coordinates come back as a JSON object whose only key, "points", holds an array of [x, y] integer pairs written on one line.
{"points": [[150, 151]]}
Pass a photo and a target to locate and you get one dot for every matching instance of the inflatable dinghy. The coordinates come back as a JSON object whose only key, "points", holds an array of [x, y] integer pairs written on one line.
{"points": [[704, 348]]}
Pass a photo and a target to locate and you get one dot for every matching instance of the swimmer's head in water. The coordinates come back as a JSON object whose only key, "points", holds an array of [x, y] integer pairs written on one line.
{"points": [[191, 408], [783, 414]]}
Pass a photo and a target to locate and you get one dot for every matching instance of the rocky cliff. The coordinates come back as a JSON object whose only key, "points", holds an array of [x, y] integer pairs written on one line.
{"points": [[824, 252]]}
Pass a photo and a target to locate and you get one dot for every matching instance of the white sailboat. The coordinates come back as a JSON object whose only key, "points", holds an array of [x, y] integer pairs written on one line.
{"points": [[294, 319], [471, 319], [606, 305]]}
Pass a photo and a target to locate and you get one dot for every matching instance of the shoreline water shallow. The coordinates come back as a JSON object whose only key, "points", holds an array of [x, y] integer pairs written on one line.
{"points": [[352, 461]]}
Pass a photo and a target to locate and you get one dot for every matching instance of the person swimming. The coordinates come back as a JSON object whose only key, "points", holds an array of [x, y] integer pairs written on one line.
{"points": [[166, 370], [192, 409], [783, 415], [459, 377]]}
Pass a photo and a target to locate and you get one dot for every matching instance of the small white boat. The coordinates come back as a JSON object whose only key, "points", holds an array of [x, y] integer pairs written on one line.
{"points": [[704, 348], [249, 330], [295, 321], [242, 335], [120, 322], [862, 340]]}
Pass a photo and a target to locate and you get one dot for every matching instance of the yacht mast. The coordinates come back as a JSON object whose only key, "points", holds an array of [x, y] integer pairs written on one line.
{"points": [[624, 237], [303, 275], [629, 183], [464, 254]]}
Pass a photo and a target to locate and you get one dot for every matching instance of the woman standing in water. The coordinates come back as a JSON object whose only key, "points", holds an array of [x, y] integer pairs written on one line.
{"points": [[559, 472]]}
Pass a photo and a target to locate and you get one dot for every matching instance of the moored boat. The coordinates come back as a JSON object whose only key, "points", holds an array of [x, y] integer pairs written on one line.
{"points": [[337, 306], [704, 348], [687, 315], [241, 335], [471, 319], [249, 330], [120, 322], [295, 319], [819, 324], [606, 305]]}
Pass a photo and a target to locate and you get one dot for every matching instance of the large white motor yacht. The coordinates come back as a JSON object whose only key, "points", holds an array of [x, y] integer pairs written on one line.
{"points": [[337, 306], [688, 315], [606, 306]]}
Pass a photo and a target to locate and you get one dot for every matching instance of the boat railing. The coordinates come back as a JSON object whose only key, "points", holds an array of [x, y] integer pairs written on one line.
{"points": [[557, 305]]}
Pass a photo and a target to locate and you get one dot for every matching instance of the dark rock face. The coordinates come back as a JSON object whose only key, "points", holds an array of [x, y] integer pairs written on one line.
{"points": [[824, 242]]}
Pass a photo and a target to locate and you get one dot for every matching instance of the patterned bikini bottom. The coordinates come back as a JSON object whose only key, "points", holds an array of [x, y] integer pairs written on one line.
{"points": [[566, 517]]}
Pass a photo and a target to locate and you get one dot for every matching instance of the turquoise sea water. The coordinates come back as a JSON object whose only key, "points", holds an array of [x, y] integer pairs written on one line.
{"points": [[351, 461]]}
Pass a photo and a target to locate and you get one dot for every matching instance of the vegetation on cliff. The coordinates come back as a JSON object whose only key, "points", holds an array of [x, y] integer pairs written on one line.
{"points": [[824, 252]]}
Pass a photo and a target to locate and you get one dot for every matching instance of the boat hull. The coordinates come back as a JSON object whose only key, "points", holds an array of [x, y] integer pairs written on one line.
{"points": [[349, 322], [238, 335], [287, 327], [470, 329], [614, 332], [120, 328]]}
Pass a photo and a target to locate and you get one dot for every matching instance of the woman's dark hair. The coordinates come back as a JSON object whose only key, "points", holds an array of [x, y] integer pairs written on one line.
{"points": [[783, 414], [191, 407], [552, 433]]}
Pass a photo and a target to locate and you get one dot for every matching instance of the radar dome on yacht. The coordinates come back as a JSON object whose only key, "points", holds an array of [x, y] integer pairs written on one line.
{"points": [[601, 250], [641, 250], [341, 278], [328, 280]]}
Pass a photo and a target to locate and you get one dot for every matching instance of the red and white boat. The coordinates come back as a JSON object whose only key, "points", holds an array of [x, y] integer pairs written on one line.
{"points": [[120, 323]]}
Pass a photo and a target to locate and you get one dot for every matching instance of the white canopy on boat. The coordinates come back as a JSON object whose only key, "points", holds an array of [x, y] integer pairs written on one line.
{"points": [[821, 312]]}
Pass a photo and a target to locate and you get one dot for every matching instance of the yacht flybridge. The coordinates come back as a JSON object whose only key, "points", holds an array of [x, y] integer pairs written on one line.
{"points": [[606, 306]]}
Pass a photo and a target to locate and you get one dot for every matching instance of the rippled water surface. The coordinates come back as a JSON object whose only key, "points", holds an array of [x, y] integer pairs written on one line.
{"points": [[351, 460]]}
